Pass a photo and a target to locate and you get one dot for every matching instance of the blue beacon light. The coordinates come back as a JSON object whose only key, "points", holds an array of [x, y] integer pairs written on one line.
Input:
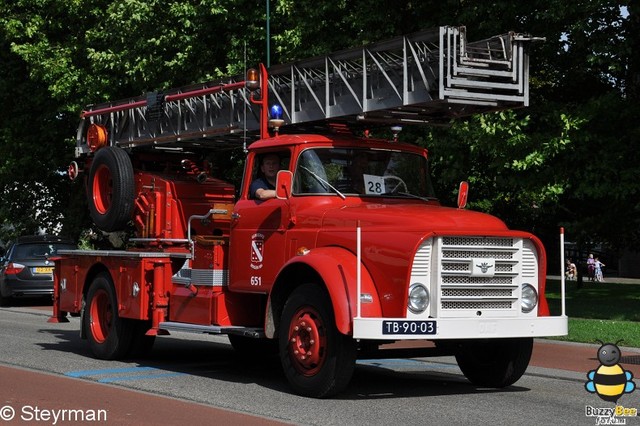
{"points": [[276, 121], [276, 112]]}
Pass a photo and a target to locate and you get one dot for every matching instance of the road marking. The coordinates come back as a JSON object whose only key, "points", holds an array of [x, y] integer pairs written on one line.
{"points": [[138, 377], [123, 374], [400, 362]]}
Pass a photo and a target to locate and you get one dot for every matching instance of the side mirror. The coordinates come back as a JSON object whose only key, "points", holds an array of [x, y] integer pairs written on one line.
{"points": [[463, 193], [283, 184]]}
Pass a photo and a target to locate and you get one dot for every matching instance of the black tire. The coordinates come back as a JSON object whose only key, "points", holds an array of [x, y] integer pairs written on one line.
{"points": [[111, 189], [317, 360], [494, 363], [109, 335], [5, 301]]}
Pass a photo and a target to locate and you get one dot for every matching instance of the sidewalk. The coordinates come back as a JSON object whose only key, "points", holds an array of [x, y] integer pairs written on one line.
{"points": [[24, 391], [578, 357], [611, 280]]}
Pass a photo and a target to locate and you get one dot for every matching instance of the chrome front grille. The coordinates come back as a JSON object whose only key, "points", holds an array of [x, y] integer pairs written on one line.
{"points": [[484, 305], [492, 288]]}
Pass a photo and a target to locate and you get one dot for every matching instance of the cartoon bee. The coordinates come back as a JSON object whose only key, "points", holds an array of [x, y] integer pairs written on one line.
{"points": [[609, 381]]}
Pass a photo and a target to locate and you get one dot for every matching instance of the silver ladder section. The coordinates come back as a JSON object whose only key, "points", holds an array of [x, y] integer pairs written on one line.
{"points": [[426, 77]]}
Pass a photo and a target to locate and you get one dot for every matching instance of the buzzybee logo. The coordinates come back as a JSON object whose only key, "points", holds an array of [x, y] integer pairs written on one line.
{"points": [[610, 381]]}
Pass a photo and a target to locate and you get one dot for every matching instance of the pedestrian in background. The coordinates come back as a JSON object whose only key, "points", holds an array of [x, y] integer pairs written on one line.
{"points": [[571, 272], [591, 267], [599, 277]]}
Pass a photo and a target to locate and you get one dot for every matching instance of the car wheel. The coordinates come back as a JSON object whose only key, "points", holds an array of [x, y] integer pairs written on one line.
{"points": [[5, 301]]}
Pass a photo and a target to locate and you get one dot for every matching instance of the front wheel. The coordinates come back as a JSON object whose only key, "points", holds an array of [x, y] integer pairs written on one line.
{"points": [[317, 359], [109, 335], [494, 363]]}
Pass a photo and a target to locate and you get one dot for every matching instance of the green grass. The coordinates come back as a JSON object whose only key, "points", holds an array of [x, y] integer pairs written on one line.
{"points": [[608, 312]]}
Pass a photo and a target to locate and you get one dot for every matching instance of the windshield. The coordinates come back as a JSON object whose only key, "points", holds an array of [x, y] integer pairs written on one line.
{"points": [[362, 172]]}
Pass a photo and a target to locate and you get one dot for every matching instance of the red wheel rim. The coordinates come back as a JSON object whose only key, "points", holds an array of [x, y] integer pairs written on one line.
{"points": [[307, 341], [101, 315], [102, 189]]}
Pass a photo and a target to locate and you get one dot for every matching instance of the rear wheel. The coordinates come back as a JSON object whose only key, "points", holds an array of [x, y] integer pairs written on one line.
{"points": [[109, 335], [318, 360], [111, 189], [494, 363], [5, 301]]}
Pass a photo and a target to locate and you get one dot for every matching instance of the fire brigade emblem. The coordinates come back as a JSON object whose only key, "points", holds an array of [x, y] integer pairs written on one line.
{"points": [[257, 250], [484, 267]]}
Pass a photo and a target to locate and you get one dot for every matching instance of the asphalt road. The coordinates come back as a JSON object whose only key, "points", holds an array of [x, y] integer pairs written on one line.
{"points": [[198, 379]]}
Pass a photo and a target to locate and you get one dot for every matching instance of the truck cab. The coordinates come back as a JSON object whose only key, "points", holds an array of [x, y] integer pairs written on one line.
{"points": [[359, 216]]}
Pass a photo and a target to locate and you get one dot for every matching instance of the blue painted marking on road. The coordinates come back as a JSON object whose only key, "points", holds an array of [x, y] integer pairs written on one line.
{"points": [[138, 377], [83, 373], [397, 362]]}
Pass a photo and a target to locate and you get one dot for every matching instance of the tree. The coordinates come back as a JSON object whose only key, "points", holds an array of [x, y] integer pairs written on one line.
{"points": [[568, 159]]}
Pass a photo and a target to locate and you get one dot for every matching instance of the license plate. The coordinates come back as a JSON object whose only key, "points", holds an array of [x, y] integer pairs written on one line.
{"points": [[408, 327], [44, 270]]}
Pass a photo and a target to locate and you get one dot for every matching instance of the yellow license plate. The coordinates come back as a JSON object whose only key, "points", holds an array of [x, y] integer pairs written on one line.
{"points": [[44, 270]]}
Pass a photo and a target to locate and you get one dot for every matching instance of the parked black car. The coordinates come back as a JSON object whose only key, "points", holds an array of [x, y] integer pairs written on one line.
{"points": [[25, 269]]}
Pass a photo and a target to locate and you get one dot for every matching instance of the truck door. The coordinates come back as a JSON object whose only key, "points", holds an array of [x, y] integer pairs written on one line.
{"points": [[258, 234]]}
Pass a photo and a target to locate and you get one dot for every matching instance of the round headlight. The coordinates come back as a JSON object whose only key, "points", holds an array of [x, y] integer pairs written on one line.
{"points": [[418, 298], [529, 298]]}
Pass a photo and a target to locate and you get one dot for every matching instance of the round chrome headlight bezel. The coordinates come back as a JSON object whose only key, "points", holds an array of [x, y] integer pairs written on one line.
{"points": [[418, 300], [529, 298]]}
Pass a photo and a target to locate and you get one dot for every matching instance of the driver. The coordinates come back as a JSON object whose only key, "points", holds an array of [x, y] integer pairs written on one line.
{"points": [[264, 186]]}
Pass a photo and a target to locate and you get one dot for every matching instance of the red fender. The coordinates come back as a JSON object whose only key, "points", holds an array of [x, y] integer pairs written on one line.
{"points": [[338, 269]]}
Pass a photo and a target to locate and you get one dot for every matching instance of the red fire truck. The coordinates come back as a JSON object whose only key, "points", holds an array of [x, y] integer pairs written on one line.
{"points": [[353, 253]]}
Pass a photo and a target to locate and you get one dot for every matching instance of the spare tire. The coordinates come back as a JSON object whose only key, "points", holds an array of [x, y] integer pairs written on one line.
{"points": [[111, 189]]}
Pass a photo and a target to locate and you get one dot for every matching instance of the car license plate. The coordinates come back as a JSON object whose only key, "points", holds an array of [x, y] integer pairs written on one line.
{"points": [[408, 327], [44, 270]]}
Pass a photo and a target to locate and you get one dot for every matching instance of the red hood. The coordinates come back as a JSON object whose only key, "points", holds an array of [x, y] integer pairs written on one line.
{"points": [[412, 217]]}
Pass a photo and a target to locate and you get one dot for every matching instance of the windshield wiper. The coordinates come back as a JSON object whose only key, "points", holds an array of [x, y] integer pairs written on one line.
{"points": [[407, 194], [323, 182]]}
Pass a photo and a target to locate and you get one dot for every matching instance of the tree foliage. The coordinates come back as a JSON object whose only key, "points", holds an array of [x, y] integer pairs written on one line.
{"points": [[567, 160]]}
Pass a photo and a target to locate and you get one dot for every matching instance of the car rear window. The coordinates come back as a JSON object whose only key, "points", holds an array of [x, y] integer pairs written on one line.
{"points": [[29, 251]]}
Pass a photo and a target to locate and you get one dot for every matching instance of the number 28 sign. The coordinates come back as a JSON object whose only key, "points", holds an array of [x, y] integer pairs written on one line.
{"points": [[373, 184]]}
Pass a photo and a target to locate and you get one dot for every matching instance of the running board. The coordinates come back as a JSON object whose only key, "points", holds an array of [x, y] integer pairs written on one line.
{"points": [[255, 333]]}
